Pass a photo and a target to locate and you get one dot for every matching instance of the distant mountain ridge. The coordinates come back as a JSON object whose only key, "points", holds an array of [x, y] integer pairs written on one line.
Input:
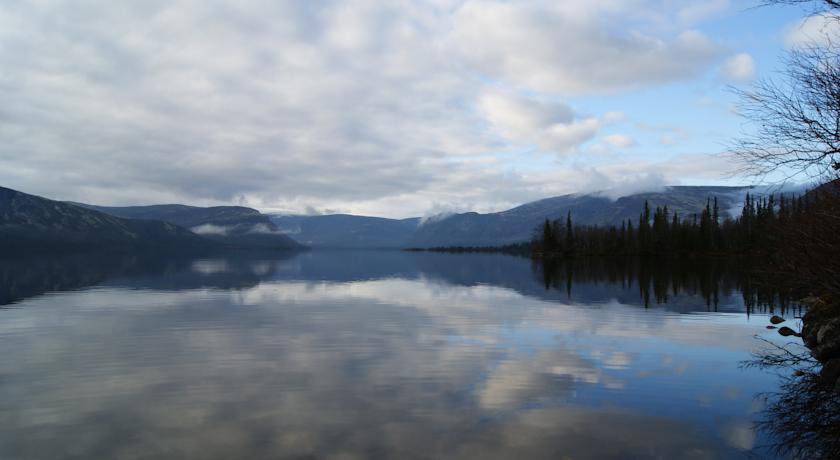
{"points": [[231, 225], [30, 220], [517, 225], [30, 223], [495, 229], [348, 231]]}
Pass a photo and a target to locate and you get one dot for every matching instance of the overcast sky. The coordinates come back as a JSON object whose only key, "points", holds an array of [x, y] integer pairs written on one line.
{"points": [[392, 108]]}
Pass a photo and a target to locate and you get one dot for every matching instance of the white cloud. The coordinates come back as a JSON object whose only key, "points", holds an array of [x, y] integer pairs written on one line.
{"points": [[614, 117], [616, 186], [740, 434], [738, 68], [574, 48], [262, 229], [616, 179], [553, 127], [620, 141], [201, 102], [697, 11], [818, 29], [210, 229], [356, 106]]}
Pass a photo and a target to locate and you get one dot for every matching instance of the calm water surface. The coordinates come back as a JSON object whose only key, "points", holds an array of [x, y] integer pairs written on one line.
{"points": [[374, 354]]}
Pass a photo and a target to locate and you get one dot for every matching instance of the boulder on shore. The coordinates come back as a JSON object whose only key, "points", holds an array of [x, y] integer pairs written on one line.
{"points": [[821, 330], [821, 334]]}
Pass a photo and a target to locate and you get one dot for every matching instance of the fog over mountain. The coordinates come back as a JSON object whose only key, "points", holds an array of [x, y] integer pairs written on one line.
{"points": [[492, 229], [32, 223], [231, 225]]}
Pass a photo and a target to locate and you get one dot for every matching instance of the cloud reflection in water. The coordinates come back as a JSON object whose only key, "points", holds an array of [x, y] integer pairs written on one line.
{"points": [[262, 358]]}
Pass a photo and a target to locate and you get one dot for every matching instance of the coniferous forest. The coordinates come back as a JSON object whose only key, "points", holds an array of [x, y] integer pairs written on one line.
{"points": [[763, 225]]}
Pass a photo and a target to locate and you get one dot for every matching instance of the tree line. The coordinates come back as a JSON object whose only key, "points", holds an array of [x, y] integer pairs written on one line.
{"points": [[660, 231]]}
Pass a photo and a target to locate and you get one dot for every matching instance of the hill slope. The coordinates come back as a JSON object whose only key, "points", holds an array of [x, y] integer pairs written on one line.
{"points": [[231, 225], [517, 224], [29, 222]]}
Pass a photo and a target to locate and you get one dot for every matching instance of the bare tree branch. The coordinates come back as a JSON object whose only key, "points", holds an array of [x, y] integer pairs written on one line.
{"points": [[793, 123]]}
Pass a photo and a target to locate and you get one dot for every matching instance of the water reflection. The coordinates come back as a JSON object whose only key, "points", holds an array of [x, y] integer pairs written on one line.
{"points": [[721, 284], [24, 277], [660, 280], [804, 416], [366, 354]]}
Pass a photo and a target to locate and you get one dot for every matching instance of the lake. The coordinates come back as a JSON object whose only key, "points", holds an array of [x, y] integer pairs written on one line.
{"points": [[378, 354]]}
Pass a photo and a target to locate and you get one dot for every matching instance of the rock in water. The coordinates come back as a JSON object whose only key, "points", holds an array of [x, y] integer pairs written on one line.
{"points": [[775, 319], [786, 331]]}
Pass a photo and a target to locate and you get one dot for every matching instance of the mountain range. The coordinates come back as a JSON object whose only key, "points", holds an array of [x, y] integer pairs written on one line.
{"points": [[31, 221], [515, 225]]}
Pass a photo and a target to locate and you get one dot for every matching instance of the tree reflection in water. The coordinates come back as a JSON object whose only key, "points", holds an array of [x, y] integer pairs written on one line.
{"points": [[659, 279], [804, 415], [805, 418]]}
